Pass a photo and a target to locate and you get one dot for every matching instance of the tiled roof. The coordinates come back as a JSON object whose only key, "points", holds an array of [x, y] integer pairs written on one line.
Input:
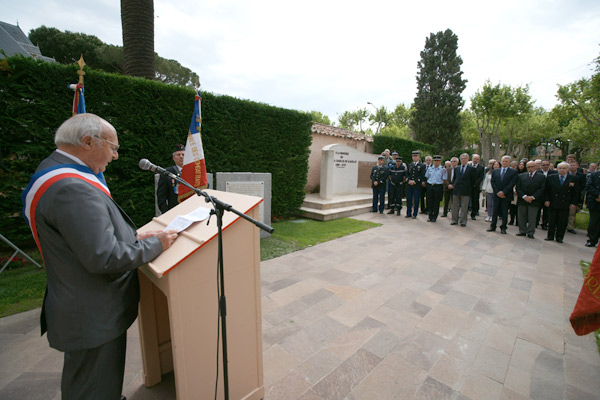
{"points": [[13, 41], [329, 130]]}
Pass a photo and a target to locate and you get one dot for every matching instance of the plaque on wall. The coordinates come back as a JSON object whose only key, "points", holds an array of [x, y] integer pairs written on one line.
{"points": [[255, 188], [364, 173]]}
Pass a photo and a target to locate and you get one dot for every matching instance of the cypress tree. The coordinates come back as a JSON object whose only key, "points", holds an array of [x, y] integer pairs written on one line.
{"points": [[438, 103]]}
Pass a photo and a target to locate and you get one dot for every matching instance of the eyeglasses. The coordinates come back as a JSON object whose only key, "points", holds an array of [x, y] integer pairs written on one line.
{"points": [[115, 147]]}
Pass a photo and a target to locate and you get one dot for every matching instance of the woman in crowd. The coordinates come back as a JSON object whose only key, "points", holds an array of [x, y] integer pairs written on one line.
{"points": [[488, 191]]}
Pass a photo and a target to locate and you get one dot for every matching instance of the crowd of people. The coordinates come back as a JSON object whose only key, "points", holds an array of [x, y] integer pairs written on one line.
{"points": [[525, 193]]}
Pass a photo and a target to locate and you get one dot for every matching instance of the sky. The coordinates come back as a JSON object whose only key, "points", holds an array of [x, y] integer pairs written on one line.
{"points": [[334, 56]]}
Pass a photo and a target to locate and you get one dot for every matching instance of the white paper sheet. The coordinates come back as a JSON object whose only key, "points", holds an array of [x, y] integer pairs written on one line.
{"points": [[181, 222]]}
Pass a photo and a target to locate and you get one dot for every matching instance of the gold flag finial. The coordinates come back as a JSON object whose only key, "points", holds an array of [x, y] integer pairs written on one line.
{"points": [[81, 72]]}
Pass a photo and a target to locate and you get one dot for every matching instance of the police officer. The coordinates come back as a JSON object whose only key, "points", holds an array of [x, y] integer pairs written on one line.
{"points": [[396, 182], [436, 176], [415, 176], [379, 177]]}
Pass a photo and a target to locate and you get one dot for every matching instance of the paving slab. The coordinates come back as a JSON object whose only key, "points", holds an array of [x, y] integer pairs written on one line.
{"points": [[407, 310]]}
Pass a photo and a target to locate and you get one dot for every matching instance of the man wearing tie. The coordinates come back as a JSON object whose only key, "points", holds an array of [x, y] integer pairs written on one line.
{"points": [[560, 196], [503, 183], [530, 192], [543, 211], [462, 187], [479, 175]]}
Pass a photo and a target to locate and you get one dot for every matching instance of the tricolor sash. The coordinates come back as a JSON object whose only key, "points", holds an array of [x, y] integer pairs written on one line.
{"points": [[41, 181]]}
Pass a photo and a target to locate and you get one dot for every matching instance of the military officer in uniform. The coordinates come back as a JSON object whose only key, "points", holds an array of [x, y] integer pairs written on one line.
{"points": [[436, 176], [168, 189], [415, 176], [379, 177], [396, 181]]}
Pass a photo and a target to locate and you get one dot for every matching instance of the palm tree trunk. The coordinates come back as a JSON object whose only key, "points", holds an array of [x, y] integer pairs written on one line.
{"points": [[137, 20]]}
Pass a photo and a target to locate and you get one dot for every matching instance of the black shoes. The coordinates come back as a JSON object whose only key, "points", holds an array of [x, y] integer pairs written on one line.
{"points": [[571, 231], [520, 234], [407, 216], [530, 236], [549, 239], [490, 230], [473, 218], [559, 240], [463, 225], [453, 223], [391, 211], [589, 244], [373, 211], [503, 231]]}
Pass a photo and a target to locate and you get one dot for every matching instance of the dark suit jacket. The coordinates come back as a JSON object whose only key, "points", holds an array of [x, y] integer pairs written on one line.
{"points": [[531, 187], [479, 175], [463, 184], [593, 191], [561, 197], [165, 192], [504, 184], [449, 180], [91, 253]]}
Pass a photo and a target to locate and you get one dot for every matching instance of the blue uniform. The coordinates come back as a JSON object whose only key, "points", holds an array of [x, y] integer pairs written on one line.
{"points": [[435, 179], [379, 175], [416, 173]]}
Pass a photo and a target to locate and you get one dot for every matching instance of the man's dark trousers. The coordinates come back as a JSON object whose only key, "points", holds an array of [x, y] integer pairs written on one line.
{"points": [[395, 196], [500, 210], [96, 372], [434, 197], [413, 195], [559, 218], [379, 197]]}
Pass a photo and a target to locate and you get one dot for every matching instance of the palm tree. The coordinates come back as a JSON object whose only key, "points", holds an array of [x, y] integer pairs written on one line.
{"points": [[137, 20]]}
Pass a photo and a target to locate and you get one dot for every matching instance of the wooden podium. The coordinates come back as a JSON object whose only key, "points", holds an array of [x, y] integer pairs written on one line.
{"points": [[178, 317]]}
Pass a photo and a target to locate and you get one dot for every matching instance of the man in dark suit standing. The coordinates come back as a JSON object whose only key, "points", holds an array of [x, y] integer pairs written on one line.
{"points": [[543, 211], [448, 192], [167, 191], [479, 175], [560, 196], [503, 183], [91, 252], [530, 192], [593, 202], [462, 187]]}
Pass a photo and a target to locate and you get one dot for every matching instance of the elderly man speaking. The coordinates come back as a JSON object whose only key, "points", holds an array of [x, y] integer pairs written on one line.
{"points": [[91, 251]]}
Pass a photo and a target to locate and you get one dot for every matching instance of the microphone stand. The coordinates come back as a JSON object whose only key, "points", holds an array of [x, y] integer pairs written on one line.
{"points": [[219, 208]]}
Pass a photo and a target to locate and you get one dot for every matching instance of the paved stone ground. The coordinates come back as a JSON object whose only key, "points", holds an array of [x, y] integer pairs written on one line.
{"points": [[409, 310]]}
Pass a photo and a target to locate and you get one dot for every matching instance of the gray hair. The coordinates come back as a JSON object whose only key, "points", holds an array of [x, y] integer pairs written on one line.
{"points": [[503, 157], [75, 128], [454, 159], [464, 155], [564, 164]]}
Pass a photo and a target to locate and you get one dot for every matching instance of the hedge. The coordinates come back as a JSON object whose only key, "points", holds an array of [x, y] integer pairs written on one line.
{"points": [[150, 118], [404, 147]]}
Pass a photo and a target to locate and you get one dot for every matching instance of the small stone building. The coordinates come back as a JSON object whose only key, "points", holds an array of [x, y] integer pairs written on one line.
{"points": [[323, 135]]}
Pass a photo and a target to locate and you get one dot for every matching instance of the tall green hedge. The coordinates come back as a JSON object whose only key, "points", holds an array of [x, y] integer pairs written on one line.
{"points": [[150, 118], [404, 147]]}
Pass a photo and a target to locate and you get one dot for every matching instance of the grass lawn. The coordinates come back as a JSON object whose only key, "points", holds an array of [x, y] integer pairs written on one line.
{"points": [[22, 284], [585, 268]]}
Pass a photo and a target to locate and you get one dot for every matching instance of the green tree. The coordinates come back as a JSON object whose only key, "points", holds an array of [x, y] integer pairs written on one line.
{"points": [[319, 117], [438, 103], [137, 21], [66, 48], [492, 106], [381, 118], [352, 120]]}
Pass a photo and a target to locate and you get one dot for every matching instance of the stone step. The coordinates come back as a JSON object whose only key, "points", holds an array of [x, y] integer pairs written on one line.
{"points": [[334, 213], [316, 202]]}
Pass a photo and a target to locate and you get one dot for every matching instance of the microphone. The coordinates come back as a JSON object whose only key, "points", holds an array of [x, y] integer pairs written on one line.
{"points": [[146, 165]]}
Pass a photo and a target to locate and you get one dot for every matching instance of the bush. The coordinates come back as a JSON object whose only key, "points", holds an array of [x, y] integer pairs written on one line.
{"points": [[150, 118]]}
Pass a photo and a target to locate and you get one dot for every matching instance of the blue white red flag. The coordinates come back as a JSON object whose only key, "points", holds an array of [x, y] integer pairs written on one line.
{"points": [[194, 166], [78, 99]]}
